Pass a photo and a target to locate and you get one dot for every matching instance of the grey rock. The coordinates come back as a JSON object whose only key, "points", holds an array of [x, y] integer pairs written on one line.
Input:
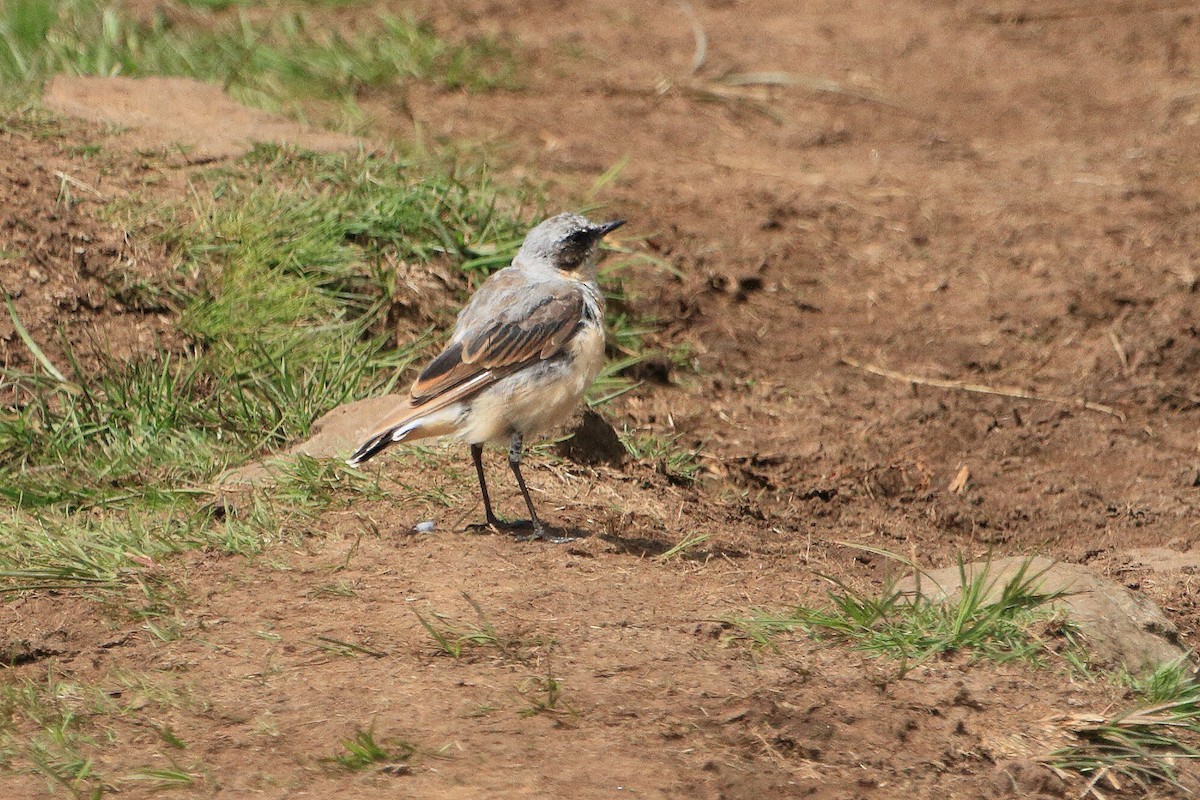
{"points": [[1120, 627], [334, 435]]}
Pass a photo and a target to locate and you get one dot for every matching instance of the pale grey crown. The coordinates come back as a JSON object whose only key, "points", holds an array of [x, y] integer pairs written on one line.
{"points": [[566, 241]]}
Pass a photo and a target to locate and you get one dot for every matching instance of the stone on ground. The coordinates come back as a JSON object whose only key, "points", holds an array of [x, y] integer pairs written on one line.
{"points": [[1119, 627]]}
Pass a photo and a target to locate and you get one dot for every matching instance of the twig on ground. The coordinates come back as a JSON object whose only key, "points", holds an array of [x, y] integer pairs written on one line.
{"points": [[78, 184], [1122, 356], [818, 86], [977, 388], [1021, 16]]}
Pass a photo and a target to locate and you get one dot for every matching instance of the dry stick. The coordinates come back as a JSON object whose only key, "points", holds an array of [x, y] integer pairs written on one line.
{"points": [[977, 388], [738, 89], [818, 86], [1021, 16]]}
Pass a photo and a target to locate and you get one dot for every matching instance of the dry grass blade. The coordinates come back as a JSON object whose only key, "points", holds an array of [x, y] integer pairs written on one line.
{"points": [[710, 92], [31, 344], [701, 51], [683, 546], [749, 90], [978, 388], [78, 184], [346, 648], [455, 638], [1141, 745]]}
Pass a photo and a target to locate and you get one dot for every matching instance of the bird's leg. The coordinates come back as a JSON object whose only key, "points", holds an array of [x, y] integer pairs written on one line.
{"points": [[514, 461], [493, 522], [477, 456], [539, 531]]}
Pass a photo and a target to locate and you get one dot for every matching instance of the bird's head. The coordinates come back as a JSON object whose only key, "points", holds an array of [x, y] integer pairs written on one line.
{"points": [[568, 243]]}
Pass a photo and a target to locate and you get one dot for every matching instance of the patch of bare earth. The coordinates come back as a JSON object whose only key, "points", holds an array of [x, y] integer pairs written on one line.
{"points": [[76, 279], [1008, 205]]}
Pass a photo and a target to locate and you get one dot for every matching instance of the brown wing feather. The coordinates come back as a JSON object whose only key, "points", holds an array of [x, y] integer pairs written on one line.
{"points": [[502, 346], [518, 335]]}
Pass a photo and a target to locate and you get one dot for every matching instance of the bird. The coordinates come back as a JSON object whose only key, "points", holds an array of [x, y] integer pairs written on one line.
{"points": [[525, 348]]}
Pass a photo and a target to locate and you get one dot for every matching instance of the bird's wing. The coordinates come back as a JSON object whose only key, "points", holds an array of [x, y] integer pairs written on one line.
{"points": [[508, 324]]}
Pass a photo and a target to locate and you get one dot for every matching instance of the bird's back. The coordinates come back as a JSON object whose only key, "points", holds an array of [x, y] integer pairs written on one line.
{"points": [[509, 296]]}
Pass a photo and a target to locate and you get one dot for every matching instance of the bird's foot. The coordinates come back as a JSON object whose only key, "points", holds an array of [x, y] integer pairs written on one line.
{"points": [[542, 533], [539, 533], [497, 525]]}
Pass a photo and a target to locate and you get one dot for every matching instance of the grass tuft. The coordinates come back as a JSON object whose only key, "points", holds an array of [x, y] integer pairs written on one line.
{"points": [[54, 727], [271, 64], [913, 628], [679, 464], [543, 695], [1142, 745], [684, 546], [456, 638], [364, 752]]}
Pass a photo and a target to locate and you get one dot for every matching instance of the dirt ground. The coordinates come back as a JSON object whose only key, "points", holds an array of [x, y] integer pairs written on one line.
{"points": [[995, 194]]}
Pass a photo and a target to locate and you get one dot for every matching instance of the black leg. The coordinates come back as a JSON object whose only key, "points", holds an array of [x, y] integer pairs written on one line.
{"points": [[514, 461], [477, 457]]}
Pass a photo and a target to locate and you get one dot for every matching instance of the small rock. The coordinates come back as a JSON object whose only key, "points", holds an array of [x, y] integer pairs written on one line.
{"points": [[1119, 627], [334, 435]]}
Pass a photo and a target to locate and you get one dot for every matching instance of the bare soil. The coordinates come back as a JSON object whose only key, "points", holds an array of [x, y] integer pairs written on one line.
{"points": [[964, 192], [77, 280]]}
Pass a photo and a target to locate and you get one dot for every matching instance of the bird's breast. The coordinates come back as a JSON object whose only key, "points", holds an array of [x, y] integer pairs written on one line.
{"points": [[586, 350]]}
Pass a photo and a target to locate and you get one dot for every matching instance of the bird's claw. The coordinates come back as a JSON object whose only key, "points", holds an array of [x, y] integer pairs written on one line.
{"points": [[497, 525], [539, 532]]}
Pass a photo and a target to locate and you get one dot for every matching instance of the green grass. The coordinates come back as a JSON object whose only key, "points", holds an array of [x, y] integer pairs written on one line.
{"points": [[543, 694], [313, 483], [57, 550], [272, 64], [362, 751], [45, 728], [56, 728], [684, 546], [1142, 745], [999, 626], [458, 639], [680, 464]]}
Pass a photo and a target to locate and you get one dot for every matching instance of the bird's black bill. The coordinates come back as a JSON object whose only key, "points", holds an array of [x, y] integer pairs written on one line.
{"points": [[605, 228]]}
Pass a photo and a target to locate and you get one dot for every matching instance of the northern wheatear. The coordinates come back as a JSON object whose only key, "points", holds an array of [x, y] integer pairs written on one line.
{"points": [[525, 349]]}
